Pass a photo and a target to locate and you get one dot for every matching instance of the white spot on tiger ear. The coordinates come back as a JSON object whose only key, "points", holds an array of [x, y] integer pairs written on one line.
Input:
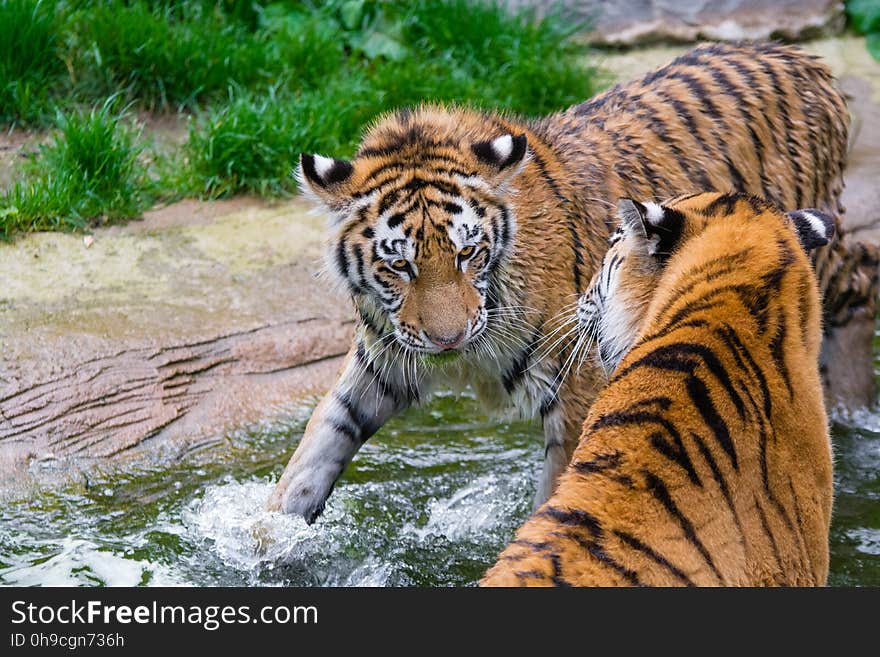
{"points": [[816, 224], [323, 165], [503, 147], [815, 228], [655, 213]]}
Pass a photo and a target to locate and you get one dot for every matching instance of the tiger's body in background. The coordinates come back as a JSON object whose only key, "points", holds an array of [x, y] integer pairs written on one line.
{"points": [[472, 235], [707, 459]]}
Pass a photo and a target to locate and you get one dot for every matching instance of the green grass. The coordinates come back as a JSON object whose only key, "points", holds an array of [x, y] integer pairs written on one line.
{"points": [[252, 143], [167, 57], [30, 59], [515, 61], [263, 81], [89, 173], [354, 66]]}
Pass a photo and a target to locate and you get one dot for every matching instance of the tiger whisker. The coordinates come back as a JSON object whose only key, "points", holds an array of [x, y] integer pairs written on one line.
{"points": [[602, 200], [563, 373], [550, 335], [549, 349], [374, 358]]}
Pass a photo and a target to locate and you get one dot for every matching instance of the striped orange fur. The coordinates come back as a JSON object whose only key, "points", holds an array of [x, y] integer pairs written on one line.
{"points": [[706, 460], [465, 238]]}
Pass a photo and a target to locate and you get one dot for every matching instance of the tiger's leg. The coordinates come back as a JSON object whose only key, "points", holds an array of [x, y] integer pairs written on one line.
{"points": [[354, 409], [563, 424], [555, 454]]}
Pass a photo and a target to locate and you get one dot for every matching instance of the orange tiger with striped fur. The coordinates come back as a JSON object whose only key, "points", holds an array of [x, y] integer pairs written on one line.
{"points": [[465, 238], [706, 460]]}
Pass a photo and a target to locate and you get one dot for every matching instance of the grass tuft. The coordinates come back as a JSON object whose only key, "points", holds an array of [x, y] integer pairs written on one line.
{"points": [[89, 173], [515, 60], [164, 55], [252, 144]]}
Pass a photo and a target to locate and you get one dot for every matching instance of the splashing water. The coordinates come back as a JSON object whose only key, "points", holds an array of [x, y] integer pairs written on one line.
{"points": [[430, 501]]}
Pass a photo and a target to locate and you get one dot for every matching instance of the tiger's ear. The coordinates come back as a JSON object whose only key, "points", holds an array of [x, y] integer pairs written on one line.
{"points": [[660, 226], [324, 178], [814, 228], [501, 155]]}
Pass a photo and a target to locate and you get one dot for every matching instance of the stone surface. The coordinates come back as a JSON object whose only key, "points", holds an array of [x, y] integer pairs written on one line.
{"points": [[161, 332], [630, 22]]}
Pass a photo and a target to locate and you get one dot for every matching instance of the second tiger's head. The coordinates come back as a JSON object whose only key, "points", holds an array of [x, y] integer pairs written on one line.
{"points": [[421, 221], [649, 236]]}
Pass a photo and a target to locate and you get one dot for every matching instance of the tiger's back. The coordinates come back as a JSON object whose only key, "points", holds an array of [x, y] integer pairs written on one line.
{"points": [[757, 118], [706, 460]]}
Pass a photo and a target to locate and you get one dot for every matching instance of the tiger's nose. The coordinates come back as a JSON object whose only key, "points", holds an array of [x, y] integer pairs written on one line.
{"points": [[447, 341]]}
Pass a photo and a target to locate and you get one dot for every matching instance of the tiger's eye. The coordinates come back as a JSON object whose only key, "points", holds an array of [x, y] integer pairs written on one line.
{"points": [[399, 264], [466, 252]]}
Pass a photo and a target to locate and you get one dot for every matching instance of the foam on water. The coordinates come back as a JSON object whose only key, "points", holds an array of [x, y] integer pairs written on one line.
{"points": [[867, 540], [83, 563], [480, 507], [860, 419], [230, 522]]}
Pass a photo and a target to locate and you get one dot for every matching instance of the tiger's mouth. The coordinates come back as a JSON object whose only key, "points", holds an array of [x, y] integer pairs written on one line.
{"points": [[422, 345], [613, 328], [443, 351], [593, 331], [609, 357]]}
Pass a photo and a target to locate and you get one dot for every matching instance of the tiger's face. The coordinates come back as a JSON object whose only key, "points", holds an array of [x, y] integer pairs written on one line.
{"points": [[419, 231], [613, 308], [423, 261]]}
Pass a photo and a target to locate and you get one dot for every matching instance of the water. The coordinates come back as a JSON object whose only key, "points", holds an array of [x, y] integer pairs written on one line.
{"points": [[430, 501], [855, 528]]}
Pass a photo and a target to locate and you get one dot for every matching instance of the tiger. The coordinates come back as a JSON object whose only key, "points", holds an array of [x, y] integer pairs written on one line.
{"points": [[706, 460], [464, 238]]}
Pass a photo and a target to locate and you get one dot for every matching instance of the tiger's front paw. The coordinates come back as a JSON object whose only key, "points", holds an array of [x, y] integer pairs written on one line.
{"points": [[302, 493]]}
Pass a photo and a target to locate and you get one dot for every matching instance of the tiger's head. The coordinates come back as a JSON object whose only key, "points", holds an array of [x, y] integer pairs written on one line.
{"points": [[648, 235], [421, 220]]}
